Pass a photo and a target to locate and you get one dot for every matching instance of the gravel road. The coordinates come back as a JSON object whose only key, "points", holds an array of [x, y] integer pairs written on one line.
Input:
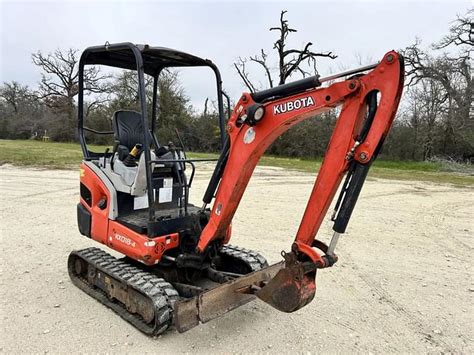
{"points": [[404, 281]]}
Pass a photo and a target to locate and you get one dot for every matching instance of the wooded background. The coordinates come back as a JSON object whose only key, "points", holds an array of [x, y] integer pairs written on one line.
{"points": [[435, 119]]}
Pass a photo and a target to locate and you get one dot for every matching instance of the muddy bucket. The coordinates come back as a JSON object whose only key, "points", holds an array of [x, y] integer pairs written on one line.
{"points": [[292, 288]]}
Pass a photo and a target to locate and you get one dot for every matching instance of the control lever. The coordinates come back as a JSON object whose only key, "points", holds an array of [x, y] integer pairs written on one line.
{"points": [[105, 157], [130, 159]]}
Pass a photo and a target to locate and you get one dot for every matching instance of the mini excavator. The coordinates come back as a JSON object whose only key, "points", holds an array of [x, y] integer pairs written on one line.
{"points": [[178, 267]]}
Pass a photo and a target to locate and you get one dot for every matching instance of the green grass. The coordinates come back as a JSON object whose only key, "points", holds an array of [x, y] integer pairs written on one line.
{"points": [[40, 154], [68, 155], [53, 155], [396, 170]]}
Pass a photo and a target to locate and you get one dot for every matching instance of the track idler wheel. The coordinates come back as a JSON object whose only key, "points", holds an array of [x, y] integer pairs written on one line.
{"points": [[293, 287]]}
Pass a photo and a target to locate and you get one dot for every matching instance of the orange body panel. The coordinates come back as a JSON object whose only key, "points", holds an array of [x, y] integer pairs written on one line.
{"points": [[100, 218], [115, 235]]}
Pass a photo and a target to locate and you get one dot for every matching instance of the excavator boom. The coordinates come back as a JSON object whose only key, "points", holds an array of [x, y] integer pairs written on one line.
{"points": [[368, 104]]}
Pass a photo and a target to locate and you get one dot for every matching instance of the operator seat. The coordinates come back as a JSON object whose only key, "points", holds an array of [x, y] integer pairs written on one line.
{"points": [[128, 131]]}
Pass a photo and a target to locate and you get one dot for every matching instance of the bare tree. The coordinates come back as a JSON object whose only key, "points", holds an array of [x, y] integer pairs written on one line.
{"points": [[290, 60], [60, 75], [205, 107], [59, 85], [461, 33], [244, 75], [452, 71], [14, 94], [21, 114]]}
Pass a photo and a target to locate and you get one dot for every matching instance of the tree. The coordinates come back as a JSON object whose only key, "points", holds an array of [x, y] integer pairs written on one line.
{"points": [[290, 61], [125, 89], [21, 115], [14, 94], [432, 99], [461, 33], [308, 138], [59, 86], [452, 71]]}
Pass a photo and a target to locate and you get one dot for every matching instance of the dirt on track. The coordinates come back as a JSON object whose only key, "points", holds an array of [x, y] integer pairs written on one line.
{"points": [[404, 281]]}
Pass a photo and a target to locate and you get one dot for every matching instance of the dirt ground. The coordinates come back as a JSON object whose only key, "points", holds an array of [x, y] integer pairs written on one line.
{"points": [[404, 282]]}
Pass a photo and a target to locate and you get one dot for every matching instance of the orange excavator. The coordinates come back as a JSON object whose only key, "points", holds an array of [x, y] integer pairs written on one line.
{"points": [[178, 267]]}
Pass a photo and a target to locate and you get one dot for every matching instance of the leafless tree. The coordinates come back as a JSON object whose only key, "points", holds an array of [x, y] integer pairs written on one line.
{"points": [[432, 98], [452, 71], [20, 113], [60, 75], [290, 60], [461, 33], [59, 85], [14, 94]]}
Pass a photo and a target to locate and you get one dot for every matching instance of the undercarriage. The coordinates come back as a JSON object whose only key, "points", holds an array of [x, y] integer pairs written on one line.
{"points": [[147, 297]]}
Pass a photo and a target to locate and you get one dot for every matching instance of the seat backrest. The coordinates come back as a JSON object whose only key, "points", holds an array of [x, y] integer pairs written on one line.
{"points": [[128, 128]]}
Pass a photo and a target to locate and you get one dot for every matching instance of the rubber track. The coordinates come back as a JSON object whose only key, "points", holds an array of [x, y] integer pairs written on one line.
{"points": [[254, 260], [161, 292]]}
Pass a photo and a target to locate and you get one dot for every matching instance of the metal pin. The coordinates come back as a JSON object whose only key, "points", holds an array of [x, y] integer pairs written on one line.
{"points": [[333, 243]]}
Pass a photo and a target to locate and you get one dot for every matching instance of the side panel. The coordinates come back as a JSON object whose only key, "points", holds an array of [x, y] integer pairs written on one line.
{"points": [[139, 246], [113, 234], [98, 191], [109, 186]]}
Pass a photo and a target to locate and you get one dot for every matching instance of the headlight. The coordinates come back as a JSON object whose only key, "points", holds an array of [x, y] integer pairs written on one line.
{"points": [[254, 114]]}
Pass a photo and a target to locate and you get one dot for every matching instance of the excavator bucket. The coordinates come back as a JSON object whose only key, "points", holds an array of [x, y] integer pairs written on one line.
{"points": [[286, 287], [292, 288]]}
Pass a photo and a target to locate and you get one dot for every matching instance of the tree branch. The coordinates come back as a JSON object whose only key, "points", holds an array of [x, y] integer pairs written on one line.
{"points": [[263, 62], [240, 67]]}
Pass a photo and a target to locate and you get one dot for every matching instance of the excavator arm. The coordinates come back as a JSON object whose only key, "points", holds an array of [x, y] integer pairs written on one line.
{"points": [[368, 103]]}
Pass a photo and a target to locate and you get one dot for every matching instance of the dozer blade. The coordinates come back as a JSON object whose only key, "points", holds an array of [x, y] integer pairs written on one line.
{"points": [[292, 288], [222, 299]]}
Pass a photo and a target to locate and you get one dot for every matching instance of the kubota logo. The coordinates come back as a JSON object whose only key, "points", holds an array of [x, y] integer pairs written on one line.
{"points": [[293, 105]]}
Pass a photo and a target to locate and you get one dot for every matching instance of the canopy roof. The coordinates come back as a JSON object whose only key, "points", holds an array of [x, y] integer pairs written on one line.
{"points": [[154, 58]]}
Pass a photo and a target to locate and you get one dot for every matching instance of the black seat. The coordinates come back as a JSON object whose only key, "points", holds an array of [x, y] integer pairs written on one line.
{"points": [[128, 129]]}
